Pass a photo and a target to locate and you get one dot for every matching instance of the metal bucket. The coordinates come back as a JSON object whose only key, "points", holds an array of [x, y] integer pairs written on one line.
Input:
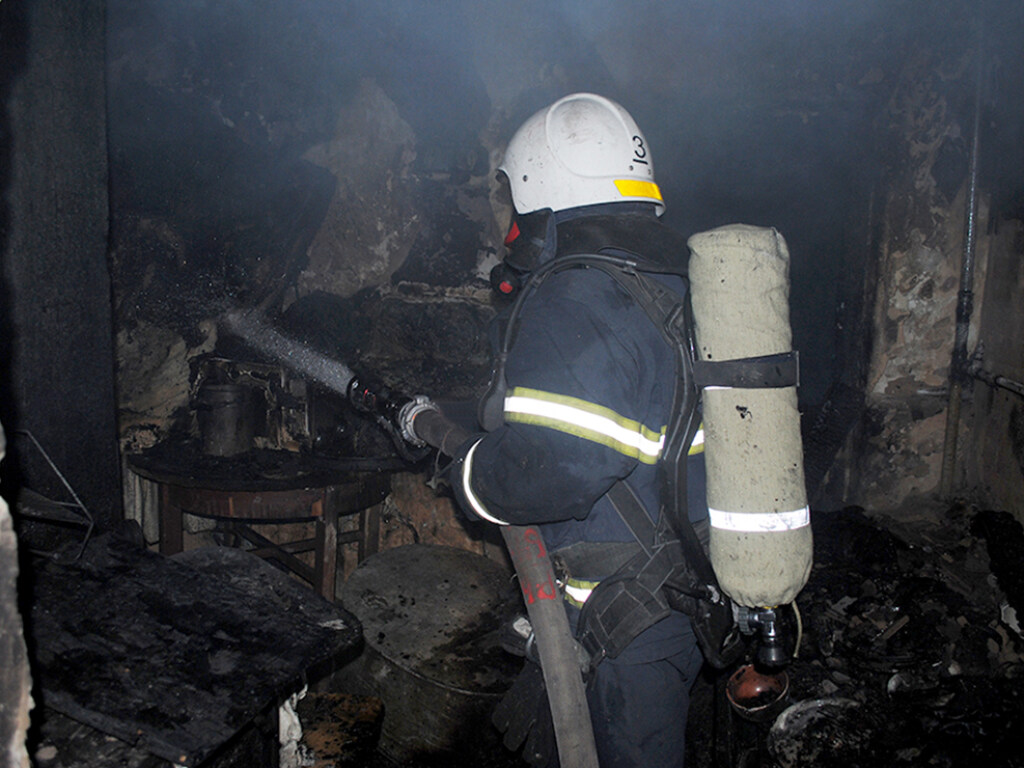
{"points": [[430, 617], [226, 418], [757, 696]]}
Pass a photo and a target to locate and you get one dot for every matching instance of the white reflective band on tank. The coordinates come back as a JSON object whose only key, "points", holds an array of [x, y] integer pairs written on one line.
{"points": [[587, 420], [760, 522], [467, 488]]}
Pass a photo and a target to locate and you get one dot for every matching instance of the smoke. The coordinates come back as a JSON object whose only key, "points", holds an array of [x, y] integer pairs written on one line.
{"points": [[767, 113]]}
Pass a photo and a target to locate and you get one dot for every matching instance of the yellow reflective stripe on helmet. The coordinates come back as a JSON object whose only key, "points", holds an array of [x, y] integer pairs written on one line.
{"points": [[637, 188], [697, 446], [577, 591], [467, 488], [586, 420]]}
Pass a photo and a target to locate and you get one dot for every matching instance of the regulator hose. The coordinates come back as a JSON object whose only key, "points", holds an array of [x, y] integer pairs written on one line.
{"points": [[567, 696]]}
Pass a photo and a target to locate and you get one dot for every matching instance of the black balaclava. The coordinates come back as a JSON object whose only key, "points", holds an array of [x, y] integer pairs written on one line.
{"points": [[535, 238]]}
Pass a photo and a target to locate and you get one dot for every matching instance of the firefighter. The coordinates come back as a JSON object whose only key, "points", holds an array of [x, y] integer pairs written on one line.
{"points": [[583, 398]]}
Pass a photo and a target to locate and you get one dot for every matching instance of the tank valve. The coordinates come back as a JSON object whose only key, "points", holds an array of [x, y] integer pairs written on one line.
{"points": [[765, 622]]}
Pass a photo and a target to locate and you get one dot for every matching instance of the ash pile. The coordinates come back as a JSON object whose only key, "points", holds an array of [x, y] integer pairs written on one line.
{"points": [[911, 653]]}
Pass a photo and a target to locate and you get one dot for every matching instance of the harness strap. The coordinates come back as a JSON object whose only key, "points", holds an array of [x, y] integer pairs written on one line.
{"points": [[621, 607], [635, 598], [593, 560], [631, 510], [667, 311]]}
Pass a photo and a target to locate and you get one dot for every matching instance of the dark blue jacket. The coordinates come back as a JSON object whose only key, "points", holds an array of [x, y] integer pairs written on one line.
{"points": [[590, 387]]}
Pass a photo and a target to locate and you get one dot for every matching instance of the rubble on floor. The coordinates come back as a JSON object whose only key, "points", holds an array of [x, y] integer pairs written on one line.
{"points": [[909, 655]]}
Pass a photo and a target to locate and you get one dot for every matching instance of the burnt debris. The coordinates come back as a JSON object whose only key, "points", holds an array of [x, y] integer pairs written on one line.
{"points": [[909, 655]]}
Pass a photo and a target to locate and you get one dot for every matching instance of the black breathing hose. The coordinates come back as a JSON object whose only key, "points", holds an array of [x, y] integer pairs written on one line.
{"points": [[559, 660]]}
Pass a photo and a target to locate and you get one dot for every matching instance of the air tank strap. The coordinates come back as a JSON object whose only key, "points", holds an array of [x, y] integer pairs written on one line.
{"points": [[762, 372]]}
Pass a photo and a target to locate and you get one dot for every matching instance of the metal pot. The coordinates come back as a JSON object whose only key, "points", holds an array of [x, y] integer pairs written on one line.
{"points": [[226, 418]]}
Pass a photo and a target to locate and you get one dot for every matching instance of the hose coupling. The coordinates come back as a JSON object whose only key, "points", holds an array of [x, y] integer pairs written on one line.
{"points": [[407, 415]]}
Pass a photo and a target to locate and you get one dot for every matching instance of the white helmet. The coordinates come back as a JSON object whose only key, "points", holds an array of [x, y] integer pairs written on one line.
{"points": [[582, 150]]}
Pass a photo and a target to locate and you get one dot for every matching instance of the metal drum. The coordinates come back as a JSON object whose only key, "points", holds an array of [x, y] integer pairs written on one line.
{"points": [[430, 617]]}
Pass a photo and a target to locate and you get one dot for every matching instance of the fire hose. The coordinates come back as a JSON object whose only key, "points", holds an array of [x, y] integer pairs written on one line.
{"points": [[567, 697], [415, 423]]}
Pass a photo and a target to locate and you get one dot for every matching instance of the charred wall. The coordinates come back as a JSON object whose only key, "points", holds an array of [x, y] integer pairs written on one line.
{"points": [[348, 193], [897, 454], [918, 274], [288, 162], [331, 165], [357, 148], [994, 454], [58, 358]]}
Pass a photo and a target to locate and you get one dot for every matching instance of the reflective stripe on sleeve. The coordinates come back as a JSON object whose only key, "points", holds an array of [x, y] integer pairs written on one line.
{"points": [[760, 522], [578, 591], [586, 420], [697, 446], [467, 488]]}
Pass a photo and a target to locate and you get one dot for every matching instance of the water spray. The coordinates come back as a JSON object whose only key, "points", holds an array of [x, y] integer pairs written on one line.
{"points": [[249, 327], [393, 411]]}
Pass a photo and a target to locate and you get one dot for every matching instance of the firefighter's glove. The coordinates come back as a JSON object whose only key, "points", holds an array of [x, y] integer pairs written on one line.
{"points": [[524, 716], [516, 636]]}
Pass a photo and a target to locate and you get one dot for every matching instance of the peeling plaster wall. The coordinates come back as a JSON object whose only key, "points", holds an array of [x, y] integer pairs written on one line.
{"points": [[372, 219], [918, 279]]}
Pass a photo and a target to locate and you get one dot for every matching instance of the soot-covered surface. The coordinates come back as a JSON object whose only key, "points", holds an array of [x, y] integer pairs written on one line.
{"points": [[176, 655], [908, 657], [431, 616], [435, 611]]}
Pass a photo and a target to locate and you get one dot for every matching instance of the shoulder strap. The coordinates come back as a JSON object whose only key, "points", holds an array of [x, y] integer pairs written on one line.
{"points": [[492, 402], [670, 313]]}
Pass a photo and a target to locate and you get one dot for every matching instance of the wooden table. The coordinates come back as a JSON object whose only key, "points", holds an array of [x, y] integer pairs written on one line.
{"points": [[268, 488]]}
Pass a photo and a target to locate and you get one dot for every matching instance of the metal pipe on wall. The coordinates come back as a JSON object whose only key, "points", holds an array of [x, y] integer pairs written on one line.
{"points": [[958, 373], [996, 380], [976, 371]]}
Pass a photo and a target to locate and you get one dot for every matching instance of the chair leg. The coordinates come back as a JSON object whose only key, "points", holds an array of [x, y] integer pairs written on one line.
{"points": [[369, 527], [326, 549], [171, 536]]}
